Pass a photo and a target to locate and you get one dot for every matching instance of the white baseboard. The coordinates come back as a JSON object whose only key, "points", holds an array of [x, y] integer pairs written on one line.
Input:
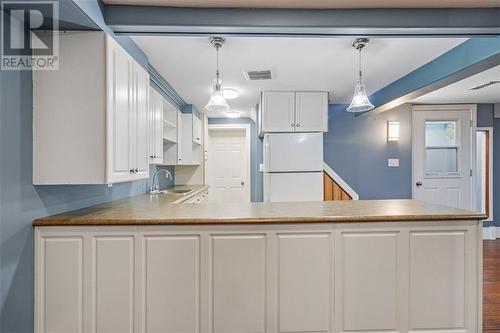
{"points": [[491, 232]]}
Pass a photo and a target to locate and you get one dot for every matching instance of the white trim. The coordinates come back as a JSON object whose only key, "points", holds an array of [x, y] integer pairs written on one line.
{"points": [[447, 107], [225, 127], [490, 134], [491, 233], [340, 182]]}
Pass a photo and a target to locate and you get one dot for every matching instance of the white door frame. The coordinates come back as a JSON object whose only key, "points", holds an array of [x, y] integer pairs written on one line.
{"points": [[446, 107], [490, 134], [226, 127]]}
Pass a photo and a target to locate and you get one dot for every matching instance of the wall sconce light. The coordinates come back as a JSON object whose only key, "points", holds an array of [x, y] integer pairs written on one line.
{"points": [[392, 131]]}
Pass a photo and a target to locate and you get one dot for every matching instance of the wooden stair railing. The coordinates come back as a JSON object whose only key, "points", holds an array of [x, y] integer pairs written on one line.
{"points": [[332, 190]]}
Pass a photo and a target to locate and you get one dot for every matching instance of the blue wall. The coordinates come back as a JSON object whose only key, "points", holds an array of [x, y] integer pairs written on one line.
{"points": [[356, 148], [255, 154], [21, 202]]}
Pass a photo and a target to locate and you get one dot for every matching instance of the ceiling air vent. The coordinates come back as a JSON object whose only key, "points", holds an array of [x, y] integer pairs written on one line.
{"points": [[485, 85], [265, 74]]}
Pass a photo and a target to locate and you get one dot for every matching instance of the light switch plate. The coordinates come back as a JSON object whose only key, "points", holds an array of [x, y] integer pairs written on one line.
{"points": [[261, 167], [393, 162]]}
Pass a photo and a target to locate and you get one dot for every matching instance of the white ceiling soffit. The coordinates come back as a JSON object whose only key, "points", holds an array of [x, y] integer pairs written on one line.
{"points": [[321, 64], [312, 4], [460, 92]]}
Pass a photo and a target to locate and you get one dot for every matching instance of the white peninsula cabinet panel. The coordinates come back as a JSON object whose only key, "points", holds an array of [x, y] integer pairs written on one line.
{"points": [[407, 277], [90, 117], [346, 277], [305, 285], [238, 286], [113, 281], [171, 283]]}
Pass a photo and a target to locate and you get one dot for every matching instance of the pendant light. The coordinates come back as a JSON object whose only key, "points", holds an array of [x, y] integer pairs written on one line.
{"points": [[360, 101], [217, 102]]}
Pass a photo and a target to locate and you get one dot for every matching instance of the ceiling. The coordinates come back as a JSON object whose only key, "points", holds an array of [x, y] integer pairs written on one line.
{"points": [[310, 4], [459, 92], [324, 64]]}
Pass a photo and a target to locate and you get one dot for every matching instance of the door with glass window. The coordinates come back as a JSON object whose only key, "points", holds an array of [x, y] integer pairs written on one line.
{"points": [[443, 154]]}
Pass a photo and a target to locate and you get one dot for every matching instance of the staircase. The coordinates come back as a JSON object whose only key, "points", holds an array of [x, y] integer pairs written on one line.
{"points": [[334, 188]]}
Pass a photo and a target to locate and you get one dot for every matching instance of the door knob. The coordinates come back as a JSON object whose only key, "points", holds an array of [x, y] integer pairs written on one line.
{"points": [[419, 183]]}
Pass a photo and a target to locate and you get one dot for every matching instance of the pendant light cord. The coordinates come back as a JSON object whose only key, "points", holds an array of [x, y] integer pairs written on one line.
{"points": [[359, 63], [217, 50]]}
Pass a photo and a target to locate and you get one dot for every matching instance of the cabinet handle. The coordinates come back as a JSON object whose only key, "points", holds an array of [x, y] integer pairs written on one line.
{"points": [[298, 125], [291, 125], [131, 170], [136, 170]]}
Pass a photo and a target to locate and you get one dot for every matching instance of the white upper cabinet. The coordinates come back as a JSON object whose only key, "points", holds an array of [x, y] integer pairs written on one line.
{"points": [[285, 111], [278, 111], [311, 111], [141, 121], [155, 127], [189, 153], [196, 127], [90, 117], [120, 160]]}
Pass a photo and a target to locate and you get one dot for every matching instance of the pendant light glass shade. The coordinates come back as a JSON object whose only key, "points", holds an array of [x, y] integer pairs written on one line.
{"points": [[217, 102], [360, 101]]}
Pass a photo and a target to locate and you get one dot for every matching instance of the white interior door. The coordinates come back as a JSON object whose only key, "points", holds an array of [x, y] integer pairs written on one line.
{"points": [[443, 154], [228, 165]]}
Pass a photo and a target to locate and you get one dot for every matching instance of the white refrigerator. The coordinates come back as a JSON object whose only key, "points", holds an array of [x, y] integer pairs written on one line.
{"points": [[293, 167]]}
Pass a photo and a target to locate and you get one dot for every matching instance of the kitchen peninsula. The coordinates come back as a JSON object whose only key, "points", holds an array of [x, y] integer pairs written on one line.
{"points": [[143, 264]]}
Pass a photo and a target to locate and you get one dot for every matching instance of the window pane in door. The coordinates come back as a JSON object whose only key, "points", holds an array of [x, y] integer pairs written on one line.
{"points": [[440, 133], [441, 160]]}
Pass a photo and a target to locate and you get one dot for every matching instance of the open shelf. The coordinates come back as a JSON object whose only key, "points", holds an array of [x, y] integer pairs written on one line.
{"points": [[169, 140], [168, 123]]}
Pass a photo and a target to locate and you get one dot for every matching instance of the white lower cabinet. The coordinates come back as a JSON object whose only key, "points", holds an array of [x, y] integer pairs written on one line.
{"points": [[366, 277]]}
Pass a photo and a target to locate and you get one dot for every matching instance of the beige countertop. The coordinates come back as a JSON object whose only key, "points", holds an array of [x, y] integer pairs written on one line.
{"points": [[163, 210]]}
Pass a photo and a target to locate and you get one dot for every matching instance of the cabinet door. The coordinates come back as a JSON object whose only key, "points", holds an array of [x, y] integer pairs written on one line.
{"points": [[311, 111], [151, 124], [238, 283], [159, 129], [305, 281], [369, 261], [119, 129], [113, 268], [278, 111], [141, 122], [196, 127], [59, 305], [185, 141], [171, 285]]}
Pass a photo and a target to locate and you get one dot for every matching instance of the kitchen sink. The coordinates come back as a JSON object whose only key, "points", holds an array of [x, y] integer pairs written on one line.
{"points": [[186, 191]]}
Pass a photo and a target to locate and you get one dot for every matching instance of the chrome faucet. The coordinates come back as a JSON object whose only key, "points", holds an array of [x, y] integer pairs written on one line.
{"points": [[154, 188]]}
